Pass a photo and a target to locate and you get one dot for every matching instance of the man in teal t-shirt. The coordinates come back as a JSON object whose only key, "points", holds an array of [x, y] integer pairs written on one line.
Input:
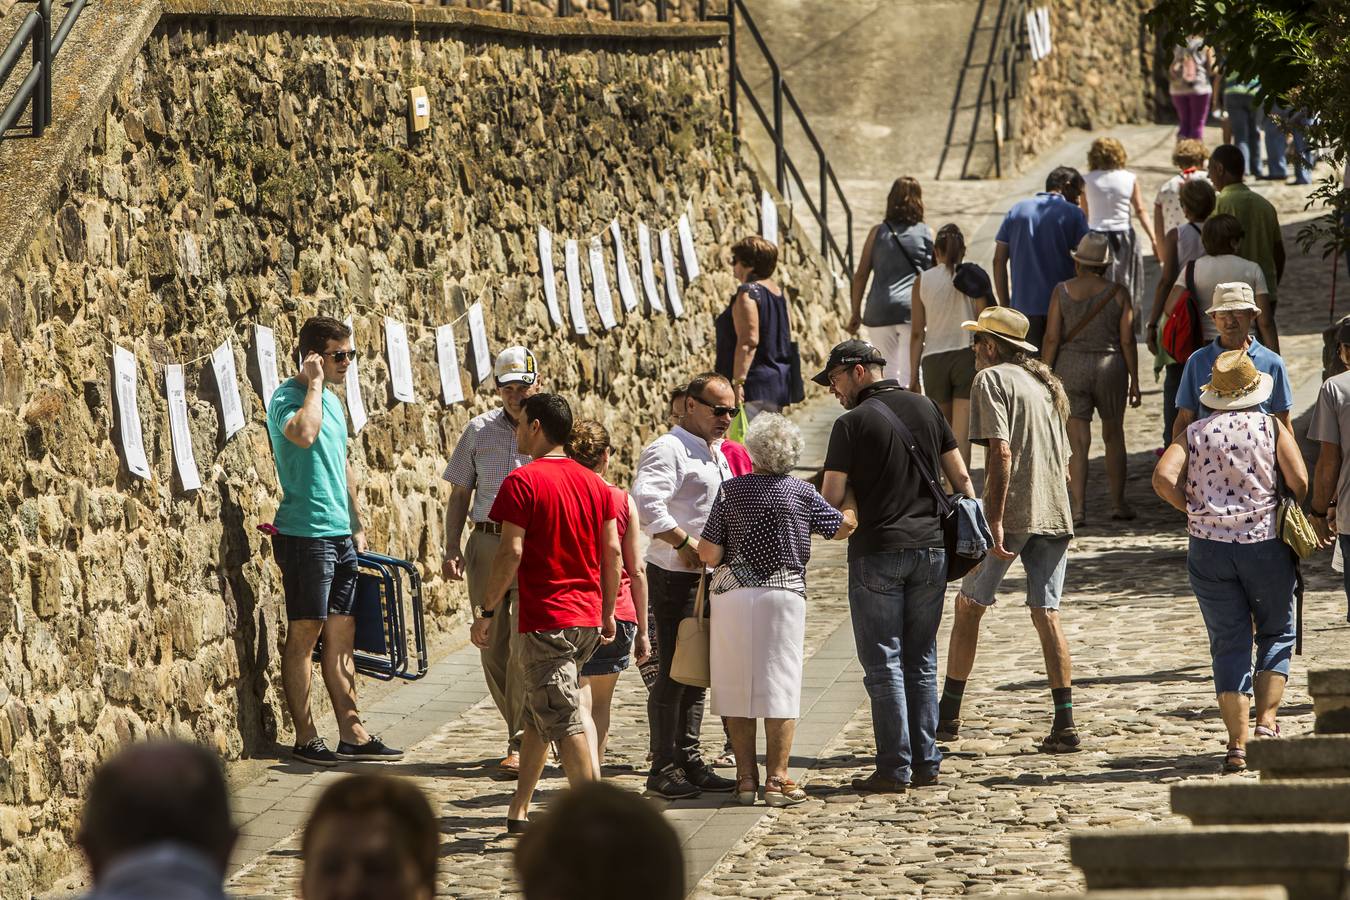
{"points": [[318, 535]]}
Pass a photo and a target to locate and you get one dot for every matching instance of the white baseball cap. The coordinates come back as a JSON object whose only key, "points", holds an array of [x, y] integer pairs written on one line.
{"points": [[515, 364]]}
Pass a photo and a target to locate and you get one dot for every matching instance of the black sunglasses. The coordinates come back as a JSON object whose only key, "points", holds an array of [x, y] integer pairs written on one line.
{"points": [[340, 356], [718, 410]]}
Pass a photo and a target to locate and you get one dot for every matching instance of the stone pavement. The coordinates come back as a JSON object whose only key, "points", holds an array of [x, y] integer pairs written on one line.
{"points": [[1000, 820]]}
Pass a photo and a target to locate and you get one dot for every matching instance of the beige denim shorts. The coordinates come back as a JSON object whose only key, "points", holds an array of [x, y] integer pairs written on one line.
{"points": [[551, 662]]}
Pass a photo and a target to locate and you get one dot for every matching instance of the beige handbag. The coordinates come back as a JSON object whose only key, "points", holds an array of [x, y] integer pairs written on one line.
{"points": [[690, 665]]}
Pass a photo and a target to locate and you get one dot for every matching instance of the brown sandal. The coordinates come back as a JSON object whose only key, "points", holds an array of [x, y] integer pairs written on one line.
{"points": [[1235, 761]]}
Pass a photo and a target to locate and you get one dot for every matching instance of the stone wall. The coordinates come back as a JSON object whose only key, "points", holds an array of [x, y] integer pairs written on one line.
{"points": [[255, 166], [1101, 73], [629, 10]]}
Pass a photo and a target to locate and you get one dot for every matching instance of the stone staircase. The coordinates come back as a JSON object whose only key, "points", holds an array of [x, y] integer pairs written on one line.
{"points": [[1287, 834]]}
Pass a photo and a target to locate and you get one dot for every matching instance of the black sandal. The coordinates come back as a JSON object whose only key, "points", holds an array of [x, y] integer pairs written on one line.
{"points": [[1061, 740], [1235, 761]]}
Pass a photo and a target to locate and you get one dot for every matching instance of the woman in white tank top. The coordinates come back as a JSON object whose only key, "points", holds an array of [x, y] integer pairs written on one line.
{"points": [[1110, 191], [940, 348]]}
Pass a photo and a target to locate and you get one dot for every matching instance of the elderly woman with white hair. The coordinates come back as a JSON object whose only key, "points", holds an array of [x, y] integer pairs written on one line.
{"points": [[758, 536]]}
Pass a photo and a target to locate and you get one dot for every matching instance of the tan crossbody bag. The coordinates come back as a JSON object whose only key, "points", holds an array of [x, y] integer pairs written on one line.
{"points": [[690, 664]]}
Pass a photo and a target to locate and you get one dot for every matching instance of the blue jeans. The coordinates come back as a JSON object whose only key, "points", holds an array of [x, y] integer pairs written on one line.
{"points": [[895, 598], [1239, 585], [1276, 139], [1246, 124]]}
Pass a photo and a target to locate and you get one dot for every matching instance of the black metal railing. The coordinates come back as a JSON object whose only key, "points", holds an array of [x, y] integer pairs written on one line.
{"points": [[998, 86], [35, 91], [783, 165]]}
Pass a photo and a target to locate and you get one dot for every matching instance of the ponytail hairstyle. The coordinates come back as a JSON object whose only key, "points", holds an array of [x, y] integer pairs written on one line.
{"points": [[1007, 353], [951, 243], [587, 443]]}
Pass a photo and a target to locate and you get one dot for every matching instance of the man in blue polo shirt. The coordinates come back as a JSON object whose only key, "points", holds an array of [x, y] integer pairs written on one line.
{"points": [[1037, 236], [1234, 311]]}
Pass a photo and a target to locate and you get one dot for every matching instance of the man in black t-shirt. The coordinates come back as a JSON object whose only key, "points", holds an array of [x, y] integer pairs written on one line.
{"points": [[896, 562]]}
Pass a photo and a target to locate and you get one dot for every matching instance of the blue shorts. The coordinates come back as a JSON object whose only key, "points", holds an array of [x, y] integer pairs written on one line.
{"points": [[1043, 556], [612, 658], [318, 575]]}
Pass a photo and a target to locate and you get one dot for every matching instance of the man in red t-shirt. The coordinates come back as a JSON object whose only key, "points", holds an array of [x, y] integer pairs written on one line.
{"points": [[560, 544]]}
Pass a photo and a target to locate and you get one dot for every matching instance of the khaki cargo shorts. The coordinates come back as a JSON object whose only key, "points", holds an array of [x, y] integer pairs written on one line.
{"points": [[551, 662]]}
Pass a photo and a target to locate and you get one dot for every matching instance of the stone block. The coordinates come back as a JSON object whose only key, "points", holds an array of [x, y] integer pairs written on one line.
{"points": [[1309, 861], [1317, 756], [1330, 689], [1246, 802], [1262, 892]]}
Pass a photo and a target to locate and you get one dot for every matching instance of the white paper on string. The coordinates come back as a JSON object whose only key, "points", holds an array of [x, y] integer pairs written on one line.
{"points": [[265, 346], [648, 271], [626, 289], [231, 404], [478, 337], [400, 360], [576, 307], [1034, 37], [691, 269], [546, 273], [128, 417], [1046, 43], [447, 356], [179, 432], [356, 406], [672, 280], [604, 302], [768, 218]]}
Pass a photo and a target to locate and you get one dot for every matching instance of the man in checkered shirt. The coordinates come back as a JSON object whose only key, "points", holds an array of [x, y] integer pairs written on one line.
{"points": [[485, 455]]}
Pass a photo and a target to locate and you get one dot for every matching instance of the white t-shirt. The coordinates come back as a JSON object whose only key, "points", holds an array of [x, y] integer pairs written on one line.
{"points": [[1215, 270], [1169, 198], [1108, 194], [944, 309], [1189, 244]]}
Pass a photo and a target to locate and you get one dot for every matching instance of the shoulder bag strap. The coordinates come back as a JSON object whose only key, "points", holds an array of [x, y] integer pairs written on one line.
{"points": [[944, 503], [914, 266], [701, 595], [1190, 281], [1108, 295]]}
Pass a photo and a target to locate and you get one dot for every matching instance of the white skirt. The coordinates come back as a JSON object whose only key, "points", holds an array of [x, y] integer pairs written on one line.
{"points": [[755, 653]]}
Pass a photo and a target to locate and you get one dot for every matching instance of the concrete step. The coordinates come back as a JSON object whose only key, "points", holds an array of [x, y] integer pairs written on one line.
{"points": [[1315, 756], [1330, 689], [1263, 892], [1246, 802], [1310, 861]]}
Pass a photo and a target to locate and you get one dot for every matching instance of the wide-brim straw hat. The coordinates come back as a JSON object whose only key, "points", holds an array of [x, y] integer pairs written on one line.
{"points": [[1005, 323], [1233, 296], [1093, 250], [1235, 383]]}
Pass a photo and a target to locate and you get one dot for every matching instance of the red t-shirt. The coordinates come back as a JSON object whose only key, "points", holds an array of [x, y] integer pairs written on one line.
{"points": [[563, 507], [624, 609], [738, 458]]}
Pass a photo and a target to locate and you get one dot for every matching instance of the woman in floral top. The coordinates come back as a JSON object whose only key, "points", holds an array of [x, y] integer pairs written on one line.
{"points": [[1225, 475]]}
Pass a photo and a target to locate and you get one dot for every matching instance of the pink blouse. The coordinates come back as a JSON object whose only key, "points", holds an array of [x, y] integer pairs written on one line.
{"points": [[1231, 477]]}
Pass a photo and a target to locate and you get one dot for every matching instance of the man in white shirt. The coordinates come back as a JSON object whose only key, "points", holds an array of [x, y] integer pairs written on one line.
{"points": [[678, 476]]}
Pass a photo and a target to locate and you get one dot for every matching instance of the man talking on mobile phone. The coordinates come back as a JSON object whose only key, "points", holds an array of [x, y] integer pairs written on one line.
{"points": [[319, 534]]}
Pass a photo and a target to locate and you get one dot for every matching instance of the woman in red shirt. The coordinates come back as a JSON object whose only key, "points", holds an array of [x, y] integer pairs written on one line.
{"points": [[589, 445]]}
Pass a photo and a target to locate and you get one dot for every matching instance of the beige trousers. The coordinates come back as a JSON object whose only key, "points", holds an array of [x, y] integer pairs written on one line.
{"points": [[501, 658]]}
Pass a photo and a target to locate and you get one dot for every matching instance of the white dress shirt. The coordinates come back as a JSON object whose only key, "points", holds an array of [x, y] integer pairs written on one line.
{"points": [[678, 476]]}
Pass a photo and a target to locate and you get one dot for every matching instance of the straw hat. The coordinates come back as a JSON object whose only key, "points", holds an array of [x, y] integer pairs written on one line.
{"points": [[1233, 296], [1003, 322], [1235, 383], [1093, 250]]}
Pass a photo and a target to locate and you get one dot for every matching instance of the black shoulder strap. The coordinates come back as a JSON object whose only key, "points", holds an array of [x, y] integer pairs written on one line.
{"points": [[1190, 281], [915, 454], [913, 264]]}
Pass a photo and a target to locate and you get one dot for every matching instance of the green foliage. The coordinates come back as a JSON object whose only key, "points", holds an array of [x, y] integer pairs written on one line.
{"points": [[1298, 50]]}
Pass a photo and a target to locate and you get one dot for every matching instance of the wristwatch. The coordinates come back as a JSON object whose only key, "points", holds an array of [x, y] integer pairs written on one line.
{"points": [[483, 612]]}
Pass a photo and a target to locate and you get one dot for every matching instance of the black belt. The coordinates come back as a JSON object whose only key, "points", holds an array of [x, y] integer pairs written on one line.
{"points": [[489, 527]]}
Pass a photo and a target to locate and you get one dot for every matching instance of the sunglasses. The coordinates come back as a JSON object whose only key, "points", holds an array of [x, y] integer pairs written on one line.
{"points": [[341, 356], [718, 410]]}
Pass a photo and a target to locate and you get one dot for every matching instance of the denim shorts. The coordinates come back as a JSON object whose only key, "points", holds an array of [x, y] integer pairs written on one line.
{"points": [[318, 575], [612, 658], [1043, 556]]}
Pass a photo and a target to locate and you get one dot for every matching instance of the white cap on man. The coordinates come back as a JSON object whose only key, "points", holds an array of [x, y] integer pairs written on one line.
{"points": [[515, 364]]}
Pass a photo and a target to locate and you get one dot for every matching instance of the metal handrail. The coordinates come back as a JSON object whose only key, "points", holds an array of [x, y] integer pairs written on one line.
{"points": [[773, 123], [35, 91]]}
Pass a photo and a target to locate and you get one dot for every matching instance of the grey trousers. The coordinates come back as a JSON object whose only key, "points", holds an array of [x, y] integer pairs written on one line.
{"points": [[501, 659]]}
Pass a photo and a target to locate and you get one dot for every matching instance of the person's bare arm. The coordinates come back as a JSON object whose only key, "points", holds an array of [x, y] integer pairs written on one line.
{"points": [[850, 510], [611, 562], [711, 554], [456, 514], [354, 510], [1158, 219], [1183, 421], [1265, 323], [1129, 348], [1053, 327], [1169, 476], [1166, 280], [834, 487], [998, 471], [860, 276], [1001, 273], [954, 467], [1290, 460], [745, 316], [637, 578], [918, 322], [1325, 475], [302, 429], [1137, 201]]}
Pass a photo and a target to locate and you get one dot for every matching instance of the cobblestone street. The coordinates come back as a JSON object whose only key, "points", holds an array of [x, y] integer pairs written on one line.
{"points": [[1000, 819]]}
